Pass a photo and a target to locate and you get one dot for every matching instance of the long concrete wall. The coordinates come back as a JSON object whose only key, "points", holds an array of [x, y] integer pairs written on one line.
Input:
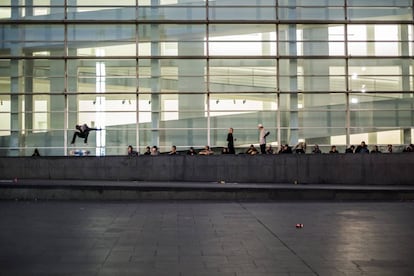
{"points": [[365, 169]]}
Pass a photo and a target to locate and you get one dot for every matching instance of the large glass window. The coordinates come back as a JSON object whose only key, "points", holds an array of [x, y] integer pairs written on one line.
{"points": [[171, 72]]}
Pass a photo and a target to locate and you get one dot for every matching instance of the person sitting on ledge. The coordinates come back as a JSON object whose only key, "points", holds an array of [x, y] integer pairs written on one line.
{"points": [[409, 148], [225, 150], [36, 152], [252, 150], [300, 148], [351, 149], [269, 149], [154, 150], [206, 151], [333, 150], [375, 149], [316, 149], [147, 151], [284, 148], [131, 152], [362, 148], [191, 151], [173, 150]]}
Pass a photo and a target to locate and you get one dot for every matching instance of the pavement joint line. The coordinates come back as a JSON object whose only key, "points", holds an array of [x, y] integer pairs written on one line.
{"points": [[279, 239]]}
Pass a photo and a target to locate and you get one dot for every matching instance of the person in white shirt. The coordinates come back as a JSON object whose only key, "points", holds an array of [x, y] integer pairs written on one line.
{"points": [[262, 138]]}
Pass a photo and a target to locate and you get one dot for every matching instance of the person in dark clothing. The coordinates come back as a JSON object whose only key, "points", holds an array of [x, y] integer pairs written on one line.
{"points": [[351, 149], [409, 148], [362, 148], [375, 149], [82, 131], [191, 151], [230, 142], [131, 152], [333, 150], [285, 149], [316, 149], [36, 152], [173, 150], [300, 148]]}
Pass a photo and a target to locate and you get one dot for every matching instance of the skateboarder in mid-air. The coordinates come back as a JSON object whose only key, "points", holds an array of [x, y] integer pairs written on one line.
{"points": [[82, 131]]}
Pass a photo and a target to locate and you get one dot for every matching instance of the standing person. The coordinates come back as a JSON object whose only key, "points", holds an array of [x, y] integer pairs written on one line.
{"points": [[262, 138], [230, 142], [82, 131]]}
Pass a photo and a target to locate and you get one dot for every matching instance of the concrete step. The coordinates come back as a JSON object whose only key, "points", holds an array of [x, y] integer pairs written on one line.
{"points": [[30, 189]]}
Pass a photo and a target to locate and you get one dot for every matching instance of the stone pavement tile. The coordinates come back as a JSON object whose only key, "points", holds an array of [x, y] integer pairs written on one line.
{"points": [[194, 260], [265, 274], [189, 251], [207, 273], [136, 271], [247, 267], [214, 260], [119, 257], [240, 259]]}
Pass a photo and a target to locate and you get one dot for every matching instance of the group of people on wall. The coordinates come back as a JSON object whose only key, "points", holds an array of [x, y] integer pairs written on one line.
{"points": [[265, 148], [82, 131]]}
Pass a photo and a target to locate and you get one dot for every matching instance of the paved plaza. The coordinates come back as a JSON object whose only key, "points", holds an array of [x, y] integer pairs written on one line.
{"points": [[206, 238]]}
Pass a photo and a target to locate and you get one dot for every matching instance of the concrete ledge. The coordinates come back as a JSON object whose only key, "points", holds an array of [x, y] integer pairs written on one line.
{"points": [[133, 190], [352, 169]]}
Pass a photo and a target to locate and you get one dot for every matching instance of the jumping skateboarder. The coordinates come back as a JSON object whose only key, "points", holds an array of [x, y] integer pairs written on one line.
{"points": [[82, 131]]}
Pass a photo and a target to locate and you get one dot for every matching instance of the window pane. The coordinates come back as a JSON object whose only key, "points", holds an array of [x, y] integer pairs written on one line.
{"points": [[260, 40], [33, 12], [312, 75], [327, 13], [336, 102], [171, 13], [242, 75], [102, 75], [171, 75], [97, 13], [101, 32], [378, 75], [320, 136], [380, 13], [243, 3], [381, 101], [311, 3], [381, 118], [379, 3], [100, 3], [301, 39], [171, 32], [241, 13]]}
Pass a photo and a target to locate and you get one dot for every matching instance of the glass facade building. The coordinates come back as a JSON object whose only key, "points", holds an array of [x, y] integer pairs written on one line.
{"points": [[181, 72]]}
